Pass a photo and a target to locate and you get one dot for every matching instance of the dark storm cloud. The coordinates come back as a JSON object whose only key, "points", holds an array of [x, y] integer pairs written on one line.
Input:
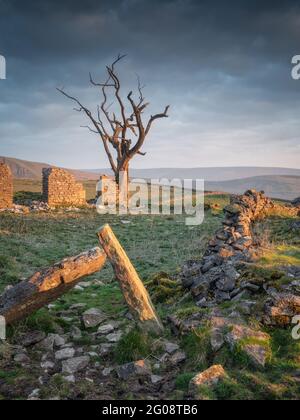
{"points": [[224, 67]]}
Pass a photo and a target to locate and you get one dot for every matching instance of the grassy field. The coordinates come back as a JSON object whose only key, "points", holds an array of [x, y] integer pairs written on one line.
{"points": [[153, 243]]}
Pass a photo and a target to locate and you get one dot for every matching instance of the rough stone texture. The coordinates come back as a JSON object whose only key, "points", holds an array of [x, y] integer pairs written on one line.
{"points": [[93, 317], [281, 309], [139, 368], [6, 187], [216, 277], [256, 344], [75, 365], [210, 377], [61, 189]]}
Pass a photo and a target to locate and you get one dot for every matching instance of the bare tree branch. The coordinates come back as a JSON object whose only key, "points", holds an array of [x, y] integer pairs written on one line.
{"points": [[113, 126]]}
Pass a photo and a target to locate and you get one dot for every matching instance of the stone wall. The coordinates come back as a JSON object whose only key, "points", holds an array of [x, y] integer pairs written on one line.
{"points": [[6, 187], [61, 189], [216, 277]]}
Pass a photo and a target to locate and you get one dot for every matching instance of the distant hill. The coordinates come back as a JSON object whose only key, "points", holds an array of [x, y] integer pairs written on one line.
{"points": [[208, 174], [281, 183], [33, 170], [275, 186]]}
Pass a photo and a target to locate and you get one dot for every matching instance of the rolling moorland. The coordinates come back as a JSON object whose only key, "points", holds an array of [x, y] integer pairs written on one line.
{"points": [[159, 247], [281, 183]]}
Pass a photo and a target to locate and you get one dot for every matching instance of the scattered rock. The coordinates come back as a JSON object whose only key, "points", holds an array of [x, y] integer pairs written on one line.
{"points": [[93, 317], [34, 394], [105, 349], [106, 329], [255, 344], [71, 379], [156, 379], [32, 338], [217, 339], [107, 371], [283, 308], [210, 377], [114, 337], [47, 365], [75, 365], [178, 358], [21, 358], [171, 347], [51, 341], [139, 368], [76, 333], [67, 353]]}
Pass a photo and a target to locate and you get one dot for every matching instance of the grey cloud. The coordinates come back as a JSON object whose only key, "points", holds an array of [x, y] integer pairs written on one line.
{"points": [[224, 67]]}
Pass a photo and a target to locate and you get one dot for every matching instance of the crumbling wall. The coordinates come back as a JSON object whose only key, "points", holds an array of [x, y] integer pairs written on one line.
{"points": [[6, 187], [61, 189], [216, 277]]}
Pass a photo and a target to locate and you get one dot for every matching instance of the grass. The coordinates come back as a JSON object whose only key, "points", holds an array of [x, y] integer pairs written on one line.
{"points": [[196, 344], [30, 242], [135, 345]]}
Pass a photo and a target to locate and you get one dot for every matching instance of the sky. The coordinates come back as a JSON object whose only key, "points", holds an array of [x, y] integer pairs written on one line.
{"points": [[224, 67]]}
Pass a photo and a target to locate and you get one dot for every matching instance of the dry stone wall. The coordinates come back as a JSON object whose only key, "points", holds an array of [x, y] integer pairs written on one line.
{"points": [[6, 187], [216, 277], [61, 189]]}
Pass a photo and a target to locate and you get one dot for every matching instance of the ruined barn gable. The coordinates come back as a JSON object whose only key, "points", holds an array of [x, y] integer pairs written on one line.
{"points": [[61, 189], [6, 187]]}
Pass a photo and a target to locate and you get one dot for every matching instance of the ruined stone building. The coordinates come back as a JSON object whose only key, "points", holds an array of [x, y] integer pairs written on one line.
{"points": [[61, 189], [6, 187]]}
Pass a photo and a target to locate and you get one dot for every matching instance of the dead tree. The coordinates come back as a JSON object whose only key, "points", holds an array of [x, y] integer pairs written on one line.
{"points": [[122, 133]]}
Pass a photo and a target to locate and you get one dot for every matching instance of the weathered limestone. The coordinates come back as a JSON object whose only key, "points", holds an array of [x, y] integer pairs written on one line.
{"points": [[281, 310], [48, 284], [132, 287], [6, 187], [208, 378], [61, 189]]}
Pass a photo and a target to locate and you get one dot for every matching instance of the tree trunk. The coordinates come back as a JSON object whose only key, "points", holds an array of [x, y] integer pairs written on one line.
{"points": [[48, 285], [122, 180], [133, 289]]}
